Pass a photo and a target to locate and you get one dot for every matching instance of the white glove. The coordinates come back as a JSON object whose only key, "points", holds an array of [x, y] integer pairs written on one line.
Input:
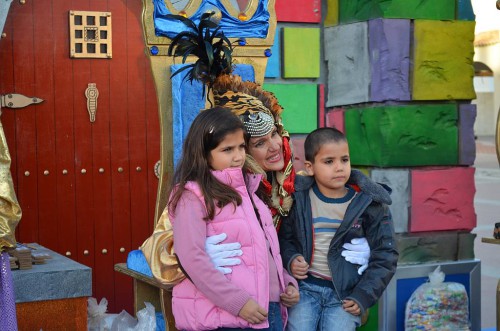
{"points": [[222, 255], [357, 252]]}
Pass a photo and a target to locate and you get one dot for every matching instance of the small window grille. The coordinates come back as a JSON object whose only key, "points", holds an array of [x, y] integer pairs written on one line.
{"points": [[90, 34]]}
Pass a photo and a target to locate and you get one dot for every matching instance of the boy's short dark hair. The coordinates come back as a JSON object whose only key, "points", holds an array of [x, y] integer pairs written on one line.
{"points": [[318, 138]]}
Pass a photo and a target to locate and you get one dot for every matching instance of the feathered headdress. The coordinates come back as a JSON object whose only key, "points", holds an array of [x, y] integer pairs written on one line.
{"points": [[214, 57], [258, 109]]}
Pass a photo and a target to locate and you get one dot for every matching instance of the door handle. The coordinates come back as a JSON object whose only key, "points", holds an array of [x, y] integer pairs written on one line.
{"points": [[15, 100]]}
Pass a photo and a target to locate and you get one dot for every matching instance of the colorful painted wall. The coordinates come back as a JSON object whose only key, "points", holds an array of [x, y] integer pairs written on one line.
{"points": [[397, 78]]}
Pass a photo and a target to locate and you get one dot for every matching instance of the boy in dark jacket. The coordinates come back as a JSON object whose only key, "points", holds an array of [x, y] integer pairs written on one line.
{"points": [[328, 213]]}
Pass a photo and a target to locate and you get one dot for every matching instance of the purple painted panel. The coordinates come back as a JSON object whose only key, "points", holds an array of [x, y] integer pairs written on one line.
{"points": [[466, 142], [389, 49]]}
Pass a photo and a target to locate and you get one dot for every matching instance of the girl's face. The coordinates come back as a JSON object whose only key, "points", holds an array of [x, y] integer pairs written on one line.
{"points": [[230, 153], [268, 151]]}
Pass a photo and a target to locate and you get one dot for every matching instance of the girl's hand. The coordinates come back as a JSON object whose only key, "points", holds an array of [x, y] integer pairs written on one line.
{"points": [[299, 267], [252, 312], [351, 307], [223, 255], [290, 297]]}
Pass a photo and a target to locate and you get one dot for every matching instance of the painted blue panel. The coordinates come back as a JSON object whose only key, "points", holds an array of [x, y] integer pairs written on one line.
{"points": [[188, 100], [274, 62], [465, 12], [255, 27]]}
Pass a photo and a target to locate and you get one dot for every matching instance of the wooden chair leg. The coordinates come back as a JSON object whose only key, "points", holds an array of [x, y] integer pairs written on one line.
{"points": [[166, 307]]}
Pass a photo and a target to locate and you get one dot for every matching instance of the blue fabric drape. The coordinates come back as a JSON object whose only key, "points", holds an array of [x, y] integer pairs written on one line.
{"points": [[255, 27]]}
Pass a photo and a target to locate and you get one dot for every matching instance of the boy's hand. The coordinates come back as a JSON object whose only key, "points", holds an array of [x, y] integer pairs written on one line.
{"points": [[252, 312], [290, 297], [299, 267], [351, 307]]}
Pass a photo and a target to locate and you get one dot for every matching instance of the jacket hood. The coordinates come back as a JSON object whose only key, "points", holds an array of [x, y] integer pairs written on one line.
{"points": [[378, 192]]}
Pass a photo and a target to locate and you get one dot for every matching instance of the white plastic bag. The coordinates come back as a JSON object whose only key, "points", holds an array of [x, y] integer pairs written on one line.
{"points": [[97, 319], [438, 305], [146, 320]]}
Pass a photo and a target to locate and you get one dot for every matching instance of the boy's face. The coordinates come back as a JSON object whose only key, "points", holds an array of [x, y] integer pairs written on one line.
{"points": [[331, 168]]}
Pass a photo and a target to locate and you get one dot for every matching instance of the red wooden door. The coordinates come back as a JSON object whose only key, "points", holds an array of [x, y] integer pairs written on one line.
{"points": [[87, 189]]}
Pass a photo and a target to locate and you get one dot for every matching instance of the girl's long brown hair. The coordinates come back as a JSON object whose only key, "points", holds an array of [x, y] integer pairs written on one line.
{"points": [[206, 132]]}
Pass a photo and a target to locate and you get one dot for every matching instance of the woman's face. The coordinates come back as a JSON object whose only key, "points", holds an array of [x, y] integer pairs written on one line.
{"points": [[268, 151]]}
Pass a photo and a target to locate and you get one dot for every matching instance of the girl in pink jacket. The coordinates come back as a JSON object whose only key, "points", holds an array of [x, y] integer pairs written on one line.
{"points": [[212, 193]]}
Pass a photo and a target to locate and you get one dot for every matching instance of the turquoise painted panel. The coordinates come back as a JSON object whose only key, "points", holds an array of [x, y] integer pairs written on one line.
{"points": [[274, 62]]}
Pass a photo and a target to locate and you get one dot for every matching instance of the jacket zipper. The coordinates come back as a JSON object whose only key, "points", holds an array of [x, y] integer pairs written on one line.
{"points": [[340, 237]]}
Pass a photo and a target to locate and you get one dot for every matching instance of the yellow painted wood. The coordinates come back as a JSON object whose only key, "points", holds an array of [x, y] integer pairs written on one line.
{"points": [[443, 60], [332, 13], [301, 52]]}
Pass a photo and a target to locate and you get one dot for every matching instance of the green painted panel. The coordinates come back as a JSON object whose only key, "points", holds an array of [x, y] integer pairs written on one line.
{"points": [[443, 60], [300, 104], [362, 10], [301, 52], [372, 321], [403, 135]]}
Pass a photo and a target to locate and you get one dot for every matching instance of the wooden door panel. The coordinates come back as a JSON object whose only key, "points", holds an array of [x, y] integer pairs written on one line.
{"points": [[66, 220], [45, 124], [137, 131], [70, 210], [120, 152], [24, 70]]}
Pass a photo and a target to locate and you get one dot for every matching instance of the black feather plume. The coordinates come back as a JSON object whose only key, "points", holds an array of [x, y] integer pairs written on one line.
{"points": [[206, 42]]}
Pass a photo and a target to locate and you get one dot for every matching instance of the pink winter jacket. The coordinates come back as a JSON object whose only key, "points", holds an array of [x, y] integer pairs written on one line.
{"points": [[215, 299]]}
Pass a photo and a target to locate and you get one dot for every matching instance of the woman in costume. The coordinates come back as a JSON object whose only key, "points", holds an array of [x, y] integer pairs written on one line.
{"points": [[269, 150]]}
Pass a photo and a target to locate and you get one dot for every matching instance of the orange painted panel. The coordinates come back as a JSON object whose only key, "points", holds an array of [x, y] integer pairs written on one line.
{"points": [[64, 314]]}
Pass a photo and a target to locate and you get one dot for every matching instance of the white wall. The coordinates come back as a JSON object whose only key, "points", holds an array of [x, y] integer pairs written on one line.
{"points": [[487, 19]]}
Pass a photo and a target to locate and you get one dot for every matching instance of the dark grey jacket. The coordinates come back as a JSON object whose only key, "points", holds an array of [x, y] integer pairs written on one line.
{"points": [[369, 208]]}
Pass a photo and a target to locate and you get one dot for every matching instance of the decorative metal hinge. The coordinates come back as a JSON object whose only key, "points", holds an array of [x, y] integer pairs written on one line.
{"points": [[14, 100]]}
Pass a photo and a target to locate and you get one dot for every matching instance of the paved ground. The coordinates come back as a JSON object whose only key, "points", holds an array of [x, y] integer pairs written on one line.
{"points": [[487, 205]]}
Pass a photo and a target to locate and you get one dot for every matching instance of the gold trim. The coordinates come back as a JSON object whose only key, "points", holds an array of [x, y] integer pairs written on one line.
{"points": [[249, 11], [191, 7], [497, 137], [252, 54], [152, 39]]}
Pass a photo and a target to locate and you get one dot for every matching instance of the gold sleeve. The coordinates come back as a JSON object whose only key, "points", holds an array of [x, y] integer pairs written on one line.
{"points": [[159, 252], [10, 211]]}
